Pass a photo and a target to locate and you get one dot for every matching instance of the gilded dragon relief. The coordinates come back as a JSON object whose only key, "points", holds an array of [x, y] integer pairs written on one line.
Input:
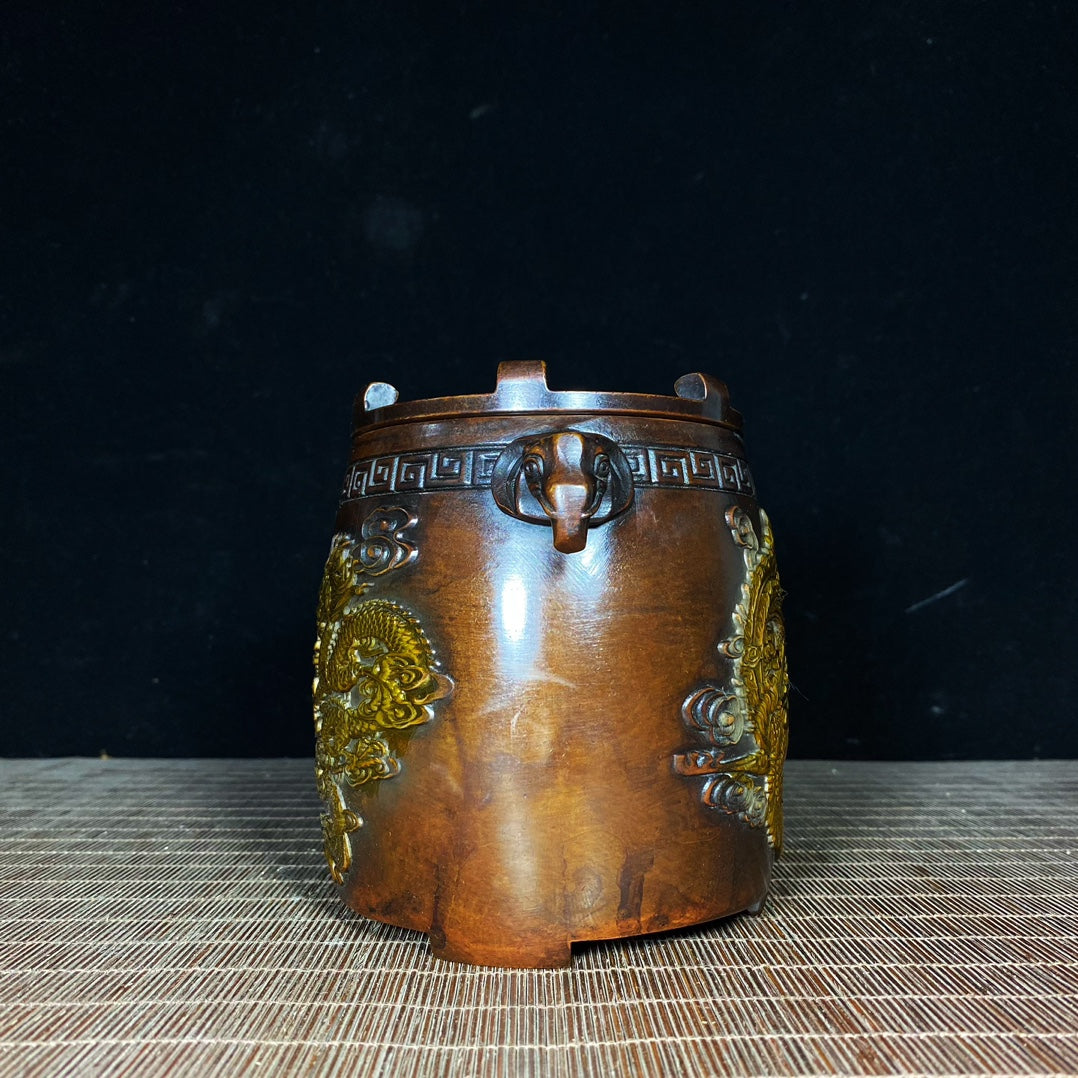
{"points": [[743, 723], [375, 673]]}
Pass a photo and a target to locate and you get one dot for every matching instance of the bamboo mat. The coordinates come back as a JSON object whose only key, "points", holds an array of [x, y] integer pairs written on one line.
{"points": [[176, 917]]}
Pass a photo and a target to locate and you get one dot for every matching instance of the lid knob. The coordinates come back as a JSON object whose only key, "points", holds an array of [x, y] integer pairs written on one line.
{"points": [[522, 384], [710, 392], [379, 395]]}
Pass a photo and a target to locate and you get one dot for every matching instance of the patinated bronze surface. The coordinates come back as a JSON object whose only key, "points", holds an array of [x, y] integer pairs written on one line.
{"points": [[550, 692]]}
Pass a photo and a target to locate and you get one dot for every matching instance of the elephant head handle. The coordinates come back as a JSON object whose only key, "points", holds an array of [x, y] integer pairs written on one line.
{"points": [[577, 480]]}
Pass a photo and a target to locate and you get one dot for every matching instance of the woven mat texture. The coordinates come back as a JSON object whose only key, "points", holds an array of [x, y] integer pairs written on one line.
{"points": [[176, 917]]}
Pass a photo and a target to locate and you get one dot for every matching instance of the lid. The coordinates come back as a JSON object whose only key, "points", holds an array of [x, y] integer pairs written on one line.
{"points": [[522, 389]]}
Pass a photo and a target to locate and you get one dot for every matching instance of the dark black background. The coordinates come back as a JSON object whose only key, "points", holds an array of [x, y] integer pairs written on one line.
{"points": [[220, 221]]}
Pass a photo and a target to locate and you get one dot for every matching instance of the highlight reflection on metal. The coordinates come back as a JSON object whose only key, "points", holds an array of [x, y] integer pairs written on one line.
{"points": [[375, 675], [744, 723], [514, 600]]}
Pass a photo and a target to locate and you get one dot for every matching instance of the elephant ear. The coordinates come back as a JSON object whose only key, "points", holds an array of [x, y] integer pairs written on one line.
{"points": [[620, 489], [505, 480]]}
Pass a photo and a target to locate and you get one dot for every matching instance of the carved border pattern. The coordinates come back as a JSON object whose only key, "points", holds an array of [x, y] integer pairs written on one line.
{"points": [[470, 468]]}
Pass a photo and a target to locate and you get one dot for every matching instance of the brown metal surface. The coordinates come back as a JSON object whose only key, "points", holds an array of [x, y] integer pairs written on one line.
{"points": [[550, 694]]}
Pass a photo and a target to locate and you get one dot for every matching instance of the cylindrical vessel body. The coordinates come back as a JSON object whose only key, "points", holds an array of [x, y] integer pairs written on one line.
{"points": [[550, 697]]}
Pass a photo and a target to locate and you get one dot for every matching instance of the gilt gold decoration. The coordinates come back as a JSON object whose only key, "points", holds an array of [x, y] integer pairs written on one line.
{"points": [[375, 674], [743, 723]]}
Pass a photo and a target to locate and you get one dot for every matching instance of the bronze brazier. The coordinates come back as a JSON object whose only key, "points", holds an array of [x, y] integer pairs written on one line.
{"points": [[550, 692]]}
